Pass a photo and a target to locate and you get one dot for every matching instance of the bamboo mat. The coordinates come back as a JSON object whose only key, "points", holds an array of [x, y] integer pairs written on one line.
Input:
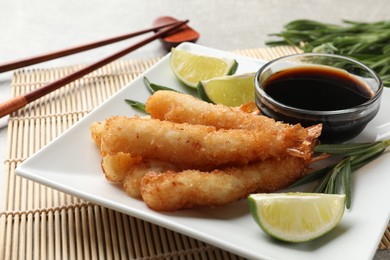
{"points": [[37, 222]]}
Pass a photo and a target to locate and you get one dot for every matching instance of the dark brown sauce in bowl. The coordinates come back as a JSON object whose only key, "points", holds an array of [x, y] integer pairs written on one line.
{"points": [[310, 94], [317, 88]]}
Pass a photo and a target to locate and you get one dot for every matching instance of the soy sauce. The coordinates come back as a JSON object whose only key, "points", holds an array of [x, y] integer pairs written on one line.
{"points": [[321, 94], [317, 88]]}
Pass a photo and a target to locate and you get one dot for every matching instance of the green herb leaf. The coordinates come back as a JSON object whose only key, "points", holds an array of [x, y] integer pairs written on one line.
{"points": [[367, 154], [154, 87], [332, 184], [346, 176], [349, 149], [136, 104], [321, 186], [312, 176], [357, 165], [340, 174]]}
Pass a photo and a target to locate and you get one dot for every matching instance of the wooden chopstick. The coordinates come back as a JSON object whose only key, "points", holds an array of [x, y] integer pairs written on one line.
{"points": [[18, 102], [65, 52]]}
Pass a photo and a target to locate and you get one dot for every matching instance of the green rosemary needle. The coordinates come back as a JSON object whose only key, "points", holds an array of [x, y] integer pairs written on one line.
{"points": [[155, 87], [136, 104], [152, 88], [333, 176]]}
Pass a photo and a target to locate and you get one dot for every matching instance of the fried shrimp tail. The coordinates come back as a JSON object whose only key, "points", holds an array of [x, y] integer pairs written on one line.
{"points": [[171, 190], [182, 108]]}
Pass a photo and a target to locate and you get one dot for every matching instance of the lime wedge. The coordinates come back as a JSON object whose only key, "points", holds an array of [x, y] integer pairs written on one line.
{"points": [[190, 68], [296, 217], [228, 90]]}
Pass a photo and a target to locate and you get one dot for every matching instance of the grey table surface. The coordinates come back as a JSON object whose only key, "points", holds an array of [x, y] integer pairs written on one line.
{"points": [[33, 27]]}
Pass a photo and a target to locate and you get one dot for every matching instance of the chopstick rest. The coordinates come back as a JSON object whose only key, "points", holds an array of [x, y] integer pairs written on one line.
{"points": [[183, 34]]}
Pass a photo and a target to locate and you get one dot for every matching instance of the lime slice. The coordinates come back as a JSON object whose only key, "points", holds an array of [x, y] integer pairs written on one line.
{"points": [[228, 90], [190, 68], [296, 217]]}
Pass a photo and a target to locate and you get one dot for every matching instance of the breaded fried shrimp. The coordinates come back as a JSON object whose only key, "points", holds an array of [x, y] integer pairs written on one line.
{"points": [[182, 108], [191, 145], [170, 190], [191, 153]]}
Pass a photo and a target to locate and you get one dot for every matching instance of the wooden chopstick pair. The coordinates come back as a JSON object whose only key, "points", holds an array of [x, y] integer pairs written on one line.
{"points": [[18, 102]]}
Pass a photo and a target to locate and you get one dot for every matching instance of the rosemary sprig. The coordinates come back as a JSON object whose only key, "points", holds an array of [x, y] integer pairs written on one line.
{"points": [[339, 174], [367, 42], [136, 104], [152, 88]]}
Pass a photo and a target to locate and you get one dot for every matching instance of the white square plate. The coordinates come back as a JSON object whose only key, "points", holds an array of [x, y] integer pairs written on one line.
{"points": [[71, 163]]}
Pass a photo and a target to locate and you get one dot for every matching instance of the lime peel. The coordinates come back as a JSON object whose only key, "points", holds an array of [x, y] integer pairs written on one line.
{"points": [[296, 217], [190, 67], [233, 90]]}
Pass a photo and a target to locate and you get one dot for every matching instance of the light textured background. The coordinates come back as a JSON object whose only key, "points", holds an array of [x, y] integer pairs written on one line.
{"points": [[30, 28]]}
